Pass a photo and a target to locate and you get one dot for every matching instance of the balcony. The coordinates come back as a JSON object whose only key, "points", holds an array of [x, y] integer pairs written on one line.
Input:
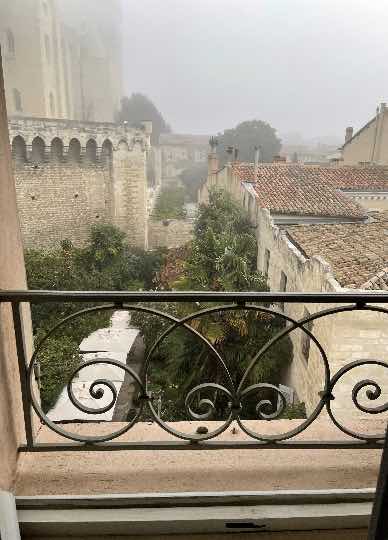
{"points": [[200, 402], [217, 410]]}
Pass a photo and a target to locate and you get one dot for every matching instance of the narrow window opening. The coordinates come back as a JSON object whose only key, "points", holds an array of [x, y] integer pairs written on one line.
{"points": [[10, 43], [17, 100]]}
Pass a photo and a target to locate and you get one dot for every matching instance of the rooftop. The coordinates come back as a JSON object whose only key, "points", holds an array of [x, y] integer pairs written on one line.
{"points": [[311, 190], [356, 252], [378, 282]]}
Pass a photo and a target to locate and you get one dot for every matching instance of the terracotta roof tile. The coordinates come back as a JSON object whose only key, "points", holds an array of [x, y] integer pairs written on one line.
{"points": [[356, 252], [378, 282], [312, 190]]}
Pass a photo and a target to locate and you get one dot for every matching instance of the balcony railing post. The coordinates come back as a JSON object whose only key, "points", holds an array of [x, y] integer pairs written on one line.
{"points": [[378, 529], [23, 375]]}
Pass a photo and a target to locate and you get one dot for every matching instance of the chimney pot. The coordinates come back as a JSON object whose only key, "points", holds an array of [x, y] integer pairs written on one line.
{"points": [[257, 159], [348, 133]]}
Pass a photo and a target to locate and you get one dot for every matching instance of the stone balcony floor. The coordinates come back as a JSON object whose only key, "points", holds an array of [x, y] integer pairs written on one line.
{"points": [[169, 471]]}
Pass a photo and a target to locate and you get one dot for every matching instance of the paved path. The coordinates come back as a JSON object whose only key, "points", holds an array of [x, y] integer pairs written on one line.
{"points": [[119, 342]]}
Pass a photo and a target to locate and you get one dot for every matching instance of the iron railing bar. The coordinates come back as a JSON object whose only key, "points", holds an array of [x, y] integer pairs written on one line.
{"points": [[190, 296], [22, 361], [378, 529], [206, 445]]}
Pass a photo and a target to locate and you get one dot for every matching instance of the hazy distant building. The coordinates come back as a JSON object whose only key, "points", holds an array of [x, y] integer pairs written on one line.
{"points": [[179, 151], [61, 59], [370, 143]]}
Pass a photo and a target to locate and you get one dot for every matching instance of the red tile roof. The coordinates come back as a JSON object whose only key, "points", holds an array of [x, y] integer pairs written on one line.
{"points": [[356, 252], [311, 190]]}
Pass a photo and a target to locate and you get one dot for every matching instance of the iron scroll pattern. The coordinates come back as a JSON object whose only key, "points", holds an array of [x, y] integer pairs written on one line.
{"points": [[199, 408]]}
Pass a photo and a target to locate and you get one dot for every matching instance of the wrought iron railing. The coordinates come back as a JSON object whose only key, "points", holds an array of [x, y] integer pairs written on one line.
{"points": [[198, 404]]}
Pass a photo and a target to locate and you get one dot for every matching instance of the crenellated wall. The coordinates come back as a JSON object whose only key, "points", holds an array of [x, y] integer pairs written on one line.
{"points": [[70, 175]]}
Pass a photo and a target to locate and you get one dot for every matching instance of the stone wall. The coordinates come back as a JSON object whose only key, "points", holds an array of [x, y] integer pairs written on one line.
{"points": [[370, 143], [12, 276], [70, 175], [169, 233], [345, 337], [58, 201]]}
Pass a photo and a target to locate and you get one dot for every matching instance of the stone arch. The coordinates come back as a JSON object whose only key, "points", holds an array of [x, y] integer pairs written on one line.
{"points": [[107, 151], [74, 151], [17, 100], [56, 149], [123, 145], [38, 148], [19, 149], [91, 151], [10, 42]]}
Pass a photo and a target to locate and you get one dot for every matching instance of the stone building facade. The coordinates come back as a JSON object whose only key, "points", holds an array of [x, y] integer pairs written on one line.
{"points": [[178, 152], [370, 143], [314, 236], [328, 258], [169, 233], [70, 175], [62, 59]]}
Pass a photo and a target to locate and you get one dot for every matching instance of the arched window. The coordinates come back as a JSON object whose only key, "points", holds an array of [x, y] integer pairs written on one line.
{"points": [[56, 150], [107, 152], [37, 150], [91, 151], [48, 48], [17, 100], [52, 105], [123, 146], [10, 42], [19, 152], [74, 151]]}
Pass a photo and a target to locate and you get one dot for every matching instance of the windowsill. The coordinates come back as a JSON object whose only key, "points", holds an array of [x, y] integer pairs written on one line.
{"points": [[149, 471]]}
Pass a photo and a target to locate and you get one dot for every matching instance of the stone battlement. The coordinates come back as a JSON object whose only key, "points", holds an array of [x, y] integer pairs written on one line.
{"points": [[70, 175]]}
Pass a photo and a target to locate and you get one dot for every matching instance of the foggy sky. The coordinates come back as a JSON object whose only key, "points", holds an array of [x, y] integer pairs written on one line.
{"points": [[308, 66]]}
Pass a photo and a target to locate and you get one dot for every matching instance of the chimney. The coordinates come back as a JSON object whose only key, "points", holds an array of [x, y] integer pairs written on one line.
{"points": [[348, 134], [279, 159], [257, 159], [212, 160]]}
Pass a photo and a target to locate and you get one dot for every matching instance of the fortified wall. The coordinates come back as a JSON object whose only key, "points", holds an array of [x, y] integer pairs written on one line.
{"points": [[70, 175]]}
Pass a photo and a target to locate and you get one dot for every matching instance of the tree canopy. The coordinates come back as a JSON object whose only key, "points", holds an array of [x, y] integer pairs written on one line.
{"points": [[246, 136], [139, 108], [221, 257], [106, 262]]}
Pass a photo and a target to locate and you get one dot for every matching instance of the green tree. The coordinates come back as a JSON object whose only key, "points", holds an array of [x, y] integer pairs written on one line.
{"points": [[105, 263], [246, 136], [222, 258], [138, 108]]}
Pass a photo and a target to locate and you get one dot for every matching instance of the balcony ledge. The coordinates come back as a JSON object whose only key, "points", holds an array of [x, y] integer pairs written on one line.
{"points": [[173, 471]]}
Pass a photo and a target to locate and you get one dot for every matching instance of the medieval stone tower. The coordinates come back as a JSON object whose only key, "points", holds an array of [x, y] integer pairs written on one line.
{"points": [[30, 37], [62, 58]]}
